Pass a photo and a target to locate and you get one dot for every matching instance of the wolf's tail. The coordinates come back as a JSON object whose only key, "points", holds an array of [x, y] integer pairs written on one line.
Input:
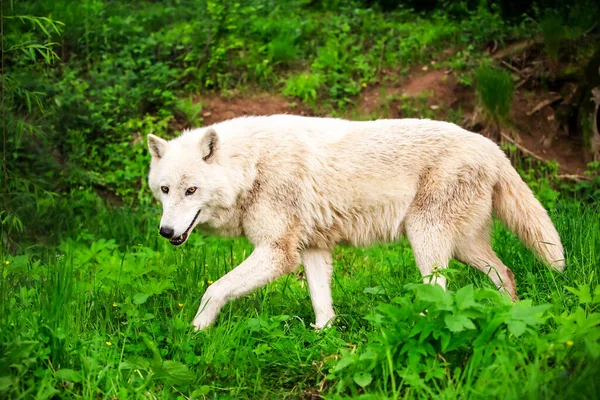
{"points": [[516, 206]]}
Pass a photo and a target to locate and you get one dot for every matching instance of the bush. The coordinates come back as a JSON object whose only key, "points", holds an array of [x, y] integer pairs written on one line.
{"points": [[429, 341]]}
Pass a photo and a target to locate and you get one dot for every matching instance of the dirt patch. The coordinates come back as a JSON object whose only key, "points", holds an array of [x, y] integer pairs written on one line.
{"points": [[537, 132], [374, 97], [439, 88], [218, 108], [540, 132], [437, 85]]}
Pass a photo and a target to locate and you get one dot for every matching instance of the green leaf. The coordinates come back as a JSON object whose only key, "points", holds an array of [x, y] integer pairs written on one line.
{"points": [[343, 363], [5, 383], [140, 298], [596, 298], [465, 297], [59, 333], [374, 290], [429, 293], [135, 362], [363, 379], [445, 340], [458, 323], [583, 293], [526, 312], [516, 327], [593, 348], [201, 391], [173, 371], [156, 359], [434, 294], [69, 375], [261, 348], [368, 355]]}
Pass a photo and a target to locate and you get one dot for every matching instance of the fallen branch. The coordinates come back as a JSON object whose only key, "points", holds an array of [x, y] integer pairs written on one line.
{"points": [[530, 153], [524, 81], [522, 149], [590, 30], [575, 177], [543, 104], [512, 68], [516, 48]]}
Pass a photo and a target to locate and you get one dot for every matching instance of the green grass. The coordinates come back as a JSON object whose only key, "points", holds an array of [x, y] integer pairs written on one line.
{"points": [[495, 90], [106, 315], [94, 304], [552, 27]]}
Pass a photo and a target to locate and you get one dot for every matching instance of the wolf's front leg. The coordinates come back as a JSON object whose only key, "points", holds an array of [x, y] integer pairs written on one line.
{"points": [[318, 268], [264, 265]]}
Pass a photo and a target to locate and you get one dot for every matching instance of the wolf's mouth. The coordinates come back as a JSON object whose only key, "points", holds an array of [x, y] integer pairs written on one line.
{"points": [[179, 240]]}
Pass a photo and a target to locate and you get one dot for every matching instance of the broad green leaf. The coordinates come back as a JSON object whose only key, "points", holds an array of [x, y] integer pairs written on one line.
{"points": [[174, 372], [458, 323], [343, 363], [596, 298], [6, 382], [430, 293], [59, 333], [593, 348], [261, 348], [374, 290], [583, 292], [140, 298], [434, 294], [135, 362], [368, 355], [464, 297], [68, 375], [363, 379], [528, 313], [445, 340], [516, 327], [156, 359], [201, 391]]}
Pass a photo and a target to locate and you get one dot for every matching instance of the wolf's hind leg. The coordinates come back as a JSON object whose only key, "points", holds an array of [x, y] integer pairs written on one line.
{"points": [[477, 252], [318, 268], [432, 248]]}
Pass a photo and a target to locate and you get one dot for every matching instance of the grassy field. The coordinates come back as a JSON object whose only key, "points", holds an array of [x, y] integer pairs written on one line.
{"points": [[107, 314]]}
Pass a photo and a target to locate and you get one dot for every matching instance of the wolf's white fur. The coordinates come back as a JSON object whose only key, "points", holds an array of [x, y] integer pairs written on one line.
{"points": [[297, 186]]}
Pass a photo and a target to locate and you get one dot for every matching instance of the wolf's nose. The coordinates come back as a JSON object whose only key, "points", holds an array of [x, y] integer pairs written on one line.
{"points": [[166, 232]]}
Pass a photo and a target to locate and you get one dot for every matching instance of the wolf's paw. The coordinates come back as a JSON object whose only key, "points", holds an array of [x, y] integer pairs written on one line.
{"points": [[201, 323], [324, 324]]}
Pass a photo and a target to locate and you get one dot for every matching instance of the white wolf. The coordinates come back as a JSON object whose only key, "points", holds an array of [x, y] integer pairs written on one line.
{"points": [[296, 186]]}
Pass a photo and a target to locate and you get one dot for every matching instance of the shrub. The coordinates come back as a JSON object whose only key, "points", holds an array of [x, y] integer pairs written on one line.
{"points": [[303, 86], [430, 340]]}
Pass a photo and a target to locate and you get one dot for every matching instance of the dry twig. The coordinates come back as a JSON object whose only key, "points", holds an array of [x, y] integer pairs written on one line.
{"points": [[543, 104]]}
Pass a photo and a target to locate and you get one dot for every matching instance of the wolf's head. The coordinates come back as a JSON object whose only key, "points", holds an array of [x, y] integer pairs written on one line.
{"points": [[187, 178]]}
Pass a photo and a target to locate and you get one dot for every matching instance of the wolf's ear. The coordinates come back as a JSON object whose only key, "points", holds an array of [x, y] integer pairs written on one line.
{"points": [[157, 146], [209, 144]]}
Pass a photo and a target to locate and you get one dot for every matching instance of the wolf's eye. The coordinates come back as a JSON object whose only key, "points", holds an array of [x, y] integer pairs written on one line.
{"points": [[191, 190], [164, 189]]}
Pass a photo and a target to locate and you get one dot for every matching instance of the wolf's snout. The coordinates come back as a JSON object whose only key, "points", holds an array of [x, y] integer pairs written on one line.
{"points": [[166, 232]]}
